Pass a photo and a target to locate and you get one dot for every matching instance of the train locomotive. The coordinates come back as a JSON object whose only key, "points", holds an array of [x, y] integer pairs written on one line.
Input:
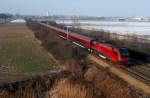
{"points": [[104, 50]]}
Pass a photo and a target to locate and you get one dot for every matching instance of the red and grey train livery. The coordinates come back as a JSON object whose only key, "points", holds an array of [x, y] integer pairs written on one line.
{"points": [[104, 50]]}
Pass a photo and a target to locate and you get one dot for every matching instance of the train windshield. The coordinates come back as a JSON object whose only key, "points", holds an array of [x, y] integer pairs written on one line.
{"points": [[124, 52]]}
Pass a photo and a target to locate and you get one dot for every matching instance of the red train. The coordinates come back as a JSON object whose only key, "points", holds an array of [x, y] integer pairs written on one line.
{"points": [[104, 50]]}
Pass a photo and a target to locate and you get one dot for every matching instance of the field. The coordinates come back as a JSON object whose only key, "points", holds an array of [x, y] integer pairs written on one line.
{"points": [[124, 28], [21, 56]]}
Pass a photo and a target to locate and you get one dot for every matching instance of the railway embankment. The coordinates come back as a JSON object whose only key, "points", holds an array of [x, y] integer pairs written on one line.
{"points": [[140, 85]]}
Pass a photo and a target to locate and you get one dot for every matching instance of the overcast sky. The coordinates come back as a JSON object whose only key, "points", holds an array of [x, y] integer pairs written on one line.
{"points": [[78, 7]]}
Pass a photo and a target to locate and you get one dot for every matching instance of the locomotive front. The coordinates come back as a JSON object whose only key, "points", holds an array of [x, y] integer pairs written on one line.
{"points": [[124, 55]]}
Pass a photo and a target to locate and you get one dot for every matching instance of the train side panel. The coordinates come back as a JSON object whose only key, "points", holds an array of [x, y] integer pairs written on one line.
{"points": [[85, 41], [106, 51]]}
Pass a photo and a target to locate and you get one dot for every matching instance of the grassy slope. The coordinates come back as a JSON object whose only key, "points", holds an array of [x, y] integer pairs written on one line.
{"points": [[20, 55]]}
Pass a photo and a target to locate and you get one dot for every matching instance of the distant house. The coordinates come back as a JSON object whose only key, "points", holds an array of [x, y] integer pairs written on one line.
{"points": [[138, 18], [121, 19], [18, 21]]}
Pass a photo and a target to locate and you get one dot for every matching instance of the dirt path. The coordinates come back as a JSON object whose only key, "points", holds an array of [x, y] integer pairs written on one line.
{"points": [[132, 81]]}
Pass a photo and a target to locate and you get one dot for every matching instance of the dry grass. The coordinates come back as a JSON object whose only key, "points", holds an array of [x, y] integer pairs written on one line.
{"points": [[20, 55], [66, 89], [96, 83], [109, 87]]}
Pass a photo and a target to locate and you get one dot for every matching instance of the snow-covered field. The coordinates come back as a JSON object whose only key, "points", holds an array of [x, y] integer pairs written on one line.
{"points": [[138, 28]]}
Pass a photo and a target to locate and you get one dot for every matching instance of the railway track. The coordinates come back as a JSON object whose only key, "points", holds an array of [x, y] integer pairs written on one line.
{"points": [[138, 75], [139, 70], [147, 68]]}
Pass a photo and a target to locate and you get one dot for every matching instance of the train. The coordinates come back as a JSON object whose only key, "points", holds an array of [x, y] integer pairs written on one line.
{"points": [[102, 49]]}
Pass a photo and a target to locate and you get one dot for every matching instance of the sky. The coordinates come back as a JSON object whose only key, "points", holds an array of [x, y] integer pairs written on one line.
{"points": [[104, 8]]}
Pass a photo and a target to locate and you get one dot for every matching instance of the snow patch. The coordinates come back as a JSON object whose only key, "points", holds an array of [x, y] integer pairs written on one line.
{"points": [[18, 21]]}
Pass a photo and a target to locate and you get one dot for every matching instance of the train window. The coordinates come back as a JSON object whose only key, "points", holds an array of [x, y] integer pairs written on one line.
{"points": [[123, 52]]}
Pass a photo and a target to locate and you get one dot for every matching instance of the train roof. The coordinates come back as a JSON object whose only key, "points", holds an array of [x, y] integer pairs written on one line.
{"points": [[54, 28], [82, 36], [108, 44]]}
